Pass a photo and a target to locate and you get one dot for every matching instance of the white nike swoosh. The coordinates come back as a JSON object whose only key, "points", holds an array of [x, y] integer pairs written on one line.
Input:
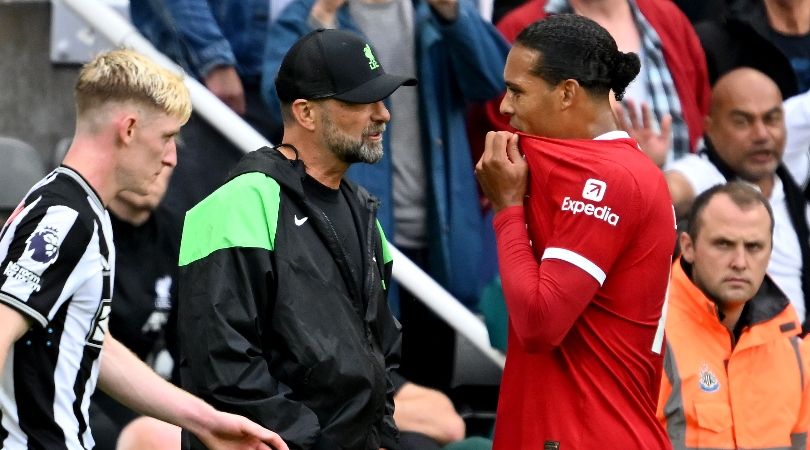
{"points": [[298, 221]]}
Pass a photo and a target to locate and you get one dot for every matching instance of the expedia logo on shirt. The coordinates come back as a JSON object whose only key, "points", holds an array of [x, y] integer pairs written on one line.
{"points": [[589, 209], [594, 190]]}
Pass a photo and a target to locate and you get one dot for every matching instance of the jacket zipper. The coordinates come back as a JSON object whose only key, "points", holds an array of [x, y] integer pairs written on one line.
{"points": [[336, 238]]}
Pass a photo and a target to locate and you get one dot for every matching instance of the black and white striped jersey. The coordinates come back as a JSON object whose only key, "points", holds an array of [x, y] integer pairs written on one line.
{"points": [[56, 268]]}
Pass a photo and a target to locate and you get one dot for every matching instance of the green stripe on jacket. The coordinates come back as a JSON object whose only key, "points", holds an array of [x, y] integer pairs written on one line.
{"points": [[241, 213], [386, 251]]}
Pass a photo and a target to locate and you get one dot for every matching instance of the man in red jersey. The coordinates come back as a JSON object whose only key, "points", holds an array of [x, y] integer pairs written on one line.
{"points": [[585, 256]]}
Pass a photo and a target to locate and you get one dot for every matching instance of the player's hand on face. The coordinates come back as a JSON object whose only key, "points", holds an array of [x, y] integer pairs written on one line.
{"points": [[502, 171], [232, 432]]}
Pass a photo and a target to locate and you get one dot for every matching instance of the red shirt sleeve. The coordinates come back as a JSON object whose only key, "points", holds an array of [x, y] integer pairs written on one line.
{"points": [[543, 300], [593, 234]]}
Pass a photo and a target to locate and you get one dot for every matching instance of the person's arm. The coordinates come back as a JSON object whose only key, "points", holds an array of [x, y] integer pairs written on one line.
{"points": [[681, 192], [224, 82], [291, 25], [474, 50], [13, 326], [128, 380], [656, 144], [209, 52], [224, 312], [502, 171], [222, 331], [195, 27], [429, 412], [687, 178], [324, 13], [543, 300], [26, 296]]}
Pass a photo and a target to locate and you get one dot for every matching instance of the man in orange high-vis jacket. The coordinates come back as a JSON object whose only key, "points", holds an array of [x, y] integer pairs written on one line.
{"points": [[735, 370]]}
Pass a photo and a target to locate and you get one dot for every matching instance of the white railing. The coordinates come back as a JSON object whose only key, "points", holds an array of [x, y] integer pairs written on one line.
{"points": [[121, 33]]}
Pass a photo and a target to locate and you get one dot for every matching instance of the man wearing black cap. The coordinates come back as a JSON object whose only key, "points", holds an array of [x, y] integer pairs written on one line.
{"points": [[284, 270], [430, 206]]}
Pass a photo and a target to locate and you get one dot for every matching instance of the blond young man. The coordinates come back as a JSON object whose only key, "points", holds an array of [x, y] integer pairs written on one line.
{"points": [[57, 265]]}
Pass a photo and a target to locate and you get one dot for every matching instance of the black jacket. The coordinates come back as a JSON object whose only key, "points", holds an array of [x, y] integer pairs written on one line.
{"points": [[272, 325], [742, 39]]}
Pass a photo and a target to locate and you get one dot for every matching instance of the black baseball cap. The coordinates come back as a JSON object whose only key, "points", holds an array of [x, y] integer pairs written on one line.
{"points": [[335, 64]]}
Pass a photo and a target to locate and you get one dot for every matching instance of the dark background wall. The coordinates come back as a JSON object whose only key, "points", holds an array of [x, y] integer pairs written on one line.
{"points": [[36, 96]]}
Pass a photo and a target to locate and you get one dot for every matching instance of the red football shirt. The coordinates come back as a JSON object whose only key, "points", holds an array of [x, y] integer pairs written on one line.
{"points": [[585, 286]]}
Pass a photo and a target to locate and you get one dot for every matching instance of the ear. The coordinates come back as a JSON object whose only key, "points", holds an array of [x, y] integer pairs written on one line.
{"points": [[125, 127], [687, 247], [568, 92], [304, 113]]}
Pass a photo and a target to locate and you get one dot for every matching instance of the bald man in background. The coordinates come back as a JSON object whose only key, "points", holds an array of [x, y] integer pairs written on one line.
{"points": [[744, 139]]}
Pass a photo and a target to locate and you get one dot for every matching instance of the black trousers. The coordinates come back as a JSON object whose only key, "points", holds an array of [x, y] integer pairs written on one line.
{"points": [[428, 343]]}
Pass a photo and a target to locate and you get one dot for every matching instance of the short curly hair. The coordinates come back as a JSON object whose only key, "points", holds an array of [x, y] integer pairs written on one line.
{"points": [[575, 47], [743, 195]]}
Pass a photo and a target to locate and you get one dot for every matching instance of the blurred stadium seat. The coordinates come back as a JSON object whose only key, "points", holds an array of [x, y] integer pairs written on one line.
{"points": [[20, 167]]}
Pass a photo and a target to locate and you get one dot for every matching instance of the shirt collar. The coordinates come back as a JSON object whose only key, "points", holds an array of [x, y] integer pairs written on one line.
{"points": [[611, 135]]}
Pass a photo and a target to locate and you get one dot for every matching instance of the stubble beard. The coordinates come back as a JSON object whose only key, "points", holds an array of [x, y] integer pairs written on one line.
{"points": [[350, 150]]}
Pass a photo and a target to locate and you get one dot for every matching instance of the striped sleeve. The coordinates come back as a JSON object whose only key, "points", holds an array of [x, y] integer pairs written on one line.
{"points": [[39, 250]]}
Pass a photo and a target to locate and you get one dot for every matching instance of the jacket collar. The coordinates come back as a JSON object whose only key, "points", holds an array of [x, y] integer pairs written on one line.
{"points": [[768, 304], [750, 12], [289, 173]]}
